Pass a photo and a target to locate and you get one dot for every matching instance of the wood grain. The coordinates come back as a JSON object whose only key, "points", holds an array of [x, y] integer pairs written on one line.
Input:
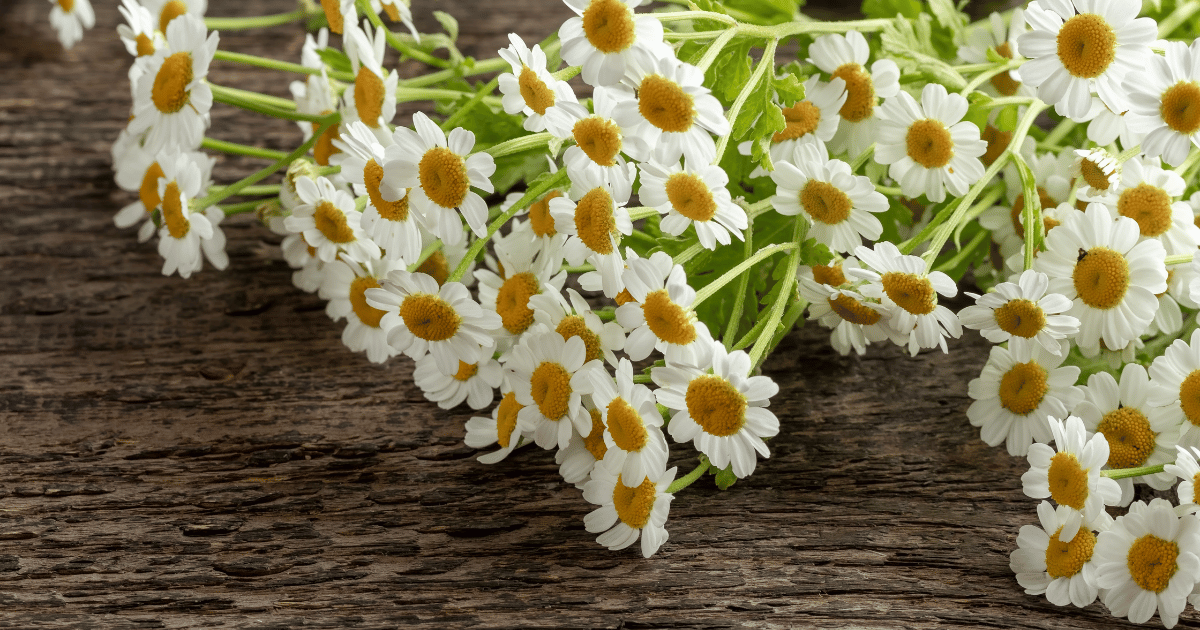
{"points": [[204, 453]]}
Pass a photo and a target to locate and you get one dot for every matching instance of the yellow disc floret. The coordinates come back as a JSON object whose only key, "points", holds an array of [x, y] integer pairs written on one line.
{"points": [[690, 196], [1152, 561], [929, 144], [910, 292], [1065, 559], [366, 313], [1068, 481], [1087, 45], [1021, 318], [1101, 278], [608, 25], [550, 386], [594, 221], [825, 202], [169, 91], [429, 317], [173, 211], [538, 96], [860, 92], [1180, 107], [635, 504], [443, 177], [667, 320], [662, 102], [716, 405], [1130, 438], [512, 302], [626, 426], [1023, 387]]}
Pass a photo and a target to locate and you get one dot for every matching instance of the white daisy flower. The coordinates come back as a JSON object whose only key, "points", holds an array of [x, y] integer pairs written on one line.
{"points": [[1071, 475], [693, 195], [372, 99], [1138, 434], [599, 140], [549, 376], [344, 283], [855, 320], [660, 317], [1078, 45], [814, 119], [633, 426], [329, 222], [165, 11], [526, 272], [139, 34], [1001, 38], [398, 11], [719, 407], [1057, 564], [845, 57], [440, 176], [1098, 171], [1164, 102], [930, 148], [594, 219], [138, 171], [1175, 386], [1022, 313], [443, 321], [340, 14], [1148, 561], [473, 383], [1187, 470], [607, 38], [838, 204], [183, 229], [576, 462], [673, 113], [629, 512], [1145, 195], [172, 98], [1017, 391], [69, 18], [504, 429], [575, 318], [909, 292], [388, 223], [529, 89], [1112, 279]]}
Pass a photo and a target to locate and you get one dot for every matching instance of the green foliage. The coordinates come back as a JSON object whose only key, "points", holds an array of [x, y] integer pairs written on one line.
{"points": [[891, 8], [911, 44], [725, 477], [335, 59], [764, 12]]}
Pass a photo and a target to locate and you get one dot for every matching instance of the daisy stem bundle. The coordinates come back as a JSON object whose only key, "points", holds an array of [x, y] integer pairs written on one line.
{"points": [[243, 207], [274, 64], [1179, 259], [715, 49], [740, 299], [691, 477], [765, 340], [1031, 214], [487, 66], [260, 21], [253, 191], [234, 148]]}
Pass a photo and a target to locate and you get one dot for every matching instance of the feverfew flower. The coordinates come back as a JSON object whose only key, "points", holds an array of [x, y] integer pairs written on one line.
{"points": [[838, 204], [1148, 562], [660, 317], [1098, 170], [1071, 476], [163, 12], [1175, 386], [474, 383], [1146, 195], [576, 462], [344, 283], [594, 219], [69, 18], [633, 427], [388, 223], [694, 195], [599, 140], [185, 231], [138, 171], [1164, 102], [329, 222], [845, 57], [629, 512], [719, 407], [529, 89], [575, 318], [909, 291], [172, 99], [139, 34], [525, 272], [673, 112], [929, 146], [550, 376], [855, 320], [607, 38], [1000, 38], [503, 428], [1022, 313], [372, 99], [1058, 564]]}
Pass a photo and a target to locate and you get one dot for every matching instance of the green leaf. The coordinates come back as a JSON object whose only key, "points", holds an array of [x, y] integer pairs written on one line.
{"points": [[764, 12], [335, 59], [790, 89], [876, 9], [448, 23], [950, 25], [726, 478]]}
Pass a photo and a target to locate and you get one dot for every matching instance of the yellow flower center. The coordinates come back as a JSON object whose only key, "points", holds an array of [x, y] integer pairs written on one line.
{"points": [[436, 267], [1020, 318], [608, 25], [1101, 278], [368, 96], [172, 211], [626, 427], [333, 13], [829, 274], [599, 138], [1152, 562], [66, 5], [170, 11], [910, 292], [169, 92], [1023, 387], [145, 46], [1149, 205], [634, 504], [390, 210], [624, 297], [1065, 559], [1003, 82], [324, 148], [667, 320], [538, 96], [540, 218], [1130, 438], [1189, 397], [690, 196], [662, 102], [550, 386], [1019, 206], [853, 311], [800, 119], [594, 221], [366, 313], [148, 191], [825, 202], [1180, 107], [1093, 175], [332, 223], [444, 177], [1196, 488], [574, 326], [429, 317], [929, 143], [716, 405], [466, 371], [512, 302], [860, 92], [506, 418], [594, 442], [392, 12], [1068, 481], [1087, 45], [997, 141]]}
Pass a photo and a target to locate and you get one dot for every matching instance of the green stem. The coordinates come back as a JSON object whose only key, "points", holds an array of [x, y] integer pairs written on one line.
{"points": [[1177, 17], [739, 304], [715, 49], [1011, 100], [246, 23], [524, 202], [483, 67], [425, 254], [233, 148], [1031, 215], [709, 289], [1123, 473], [517, 145], [241, 208], [981, 238], [1129, 154], [265, 99], [862, 158], [891, 191], [568, 73], [688, 254], [465, 109], [223, 95], [1179, 259], [751, 335], [994, 70], [758, 208], [768, 60], [690, 478], [907, 247], [675, 16], [1055, 137], [273, 64], [642, 212], [759, 352], [264, 190]]}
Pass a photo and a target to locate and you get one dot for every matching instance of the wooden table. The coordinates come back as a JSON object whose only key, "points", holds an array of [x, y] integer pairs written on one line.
{"points": [[202, 453]]}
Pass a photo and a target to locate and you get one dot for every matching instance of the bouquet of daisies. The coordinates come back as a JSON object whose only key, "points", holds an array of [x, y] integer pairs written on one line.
{"points": [[612, 232]]}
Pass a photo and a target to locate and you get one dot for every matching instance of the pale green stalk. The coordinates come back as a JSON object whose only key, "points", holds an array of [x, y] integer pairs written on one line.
{"points": [[233, 148], [759, 351], [247, 23], [690, 478], [273, 64], [1124, 473], [517, 145], [729, 276], [425, 254]]}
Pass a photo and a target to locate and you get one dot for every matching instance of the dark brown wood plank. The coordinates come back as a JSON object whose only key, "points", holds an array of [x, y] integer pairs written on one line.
{"points": [[203, 453]]}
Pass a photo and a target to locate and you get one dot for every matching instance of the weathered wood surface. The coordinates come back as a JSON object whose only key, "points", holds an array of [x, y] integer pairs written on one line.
{"points": [[203, 453]]}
